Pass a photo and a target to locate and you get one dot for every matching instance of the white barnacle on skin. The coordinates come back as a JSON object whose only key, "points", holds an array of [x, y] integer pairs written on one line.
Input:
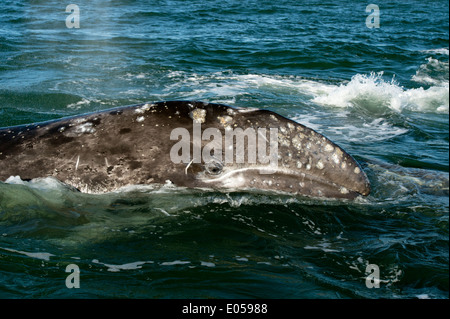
{"points": [[85, 128], [291, 126], [296, 142], [320, 165], [225, 121], [79, 121], [329, 148], [140, 119], [283, 140]]}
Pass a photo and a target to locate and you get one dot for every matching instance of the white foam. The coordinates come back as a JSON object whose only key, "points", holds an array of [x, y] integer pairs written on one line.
{"points": [[162, 211], [15, 180], [85, 128], [42, 256], [372, 92]]}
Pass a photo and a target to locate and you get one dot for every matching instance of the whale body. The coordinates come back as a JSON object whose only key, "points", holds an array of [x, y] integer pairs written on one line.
{"points": [[144, 144]]}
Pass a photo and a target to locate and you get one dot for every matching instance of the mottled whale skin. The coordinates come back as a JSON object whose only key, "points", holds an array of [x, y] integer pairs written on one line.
{"points": [[104, 151]]}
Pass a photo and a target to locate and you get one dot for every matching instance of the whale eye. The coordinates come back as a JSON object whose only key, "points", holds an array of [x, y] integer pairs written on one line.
{"points": [[214, 167]]}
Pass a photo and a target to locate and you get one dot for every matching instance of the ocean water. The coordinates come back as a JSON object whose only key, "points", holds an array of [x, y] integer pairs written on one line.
{"points": [[381, 93]]}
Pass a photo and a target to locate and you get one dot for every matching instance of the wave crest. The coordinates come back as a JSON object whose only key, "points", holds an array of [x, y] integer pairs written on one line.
{"points": [[373, 93]]}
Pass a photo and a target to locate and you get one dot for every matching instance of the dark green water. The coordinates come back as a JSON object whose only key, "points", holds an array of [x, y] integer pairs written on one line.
{"points": [[381, 93]]}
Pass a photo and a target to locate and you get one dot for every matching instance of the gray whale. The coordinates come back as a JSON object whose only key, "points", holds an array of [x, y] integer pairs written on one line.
{"points": [[136, 145]]}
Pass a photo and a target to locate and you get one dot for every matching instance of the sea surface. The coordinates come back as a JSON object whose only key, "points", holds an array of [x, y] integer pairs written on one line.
{"points": [[381, 93]]}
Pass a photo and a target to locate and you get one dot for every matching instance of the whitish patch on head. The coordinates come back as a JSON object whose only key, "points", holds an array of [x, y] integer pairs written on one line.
{"points": [[198, 115], [235, 181], [140, 119], [284, 140], [296, 141], [247, 109], [291, 126]]}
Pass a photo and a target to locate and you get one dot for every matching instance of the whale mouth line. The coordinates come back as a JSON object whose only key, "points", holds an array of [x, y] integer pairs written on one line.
{"points": [[300, 160], [234, 178]]}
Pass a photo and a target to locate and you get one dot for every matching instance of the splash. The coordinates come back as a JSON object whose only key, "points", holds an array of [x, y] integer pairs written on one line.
{"points": [[373, 93], [434, 72], [369, 92]]}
